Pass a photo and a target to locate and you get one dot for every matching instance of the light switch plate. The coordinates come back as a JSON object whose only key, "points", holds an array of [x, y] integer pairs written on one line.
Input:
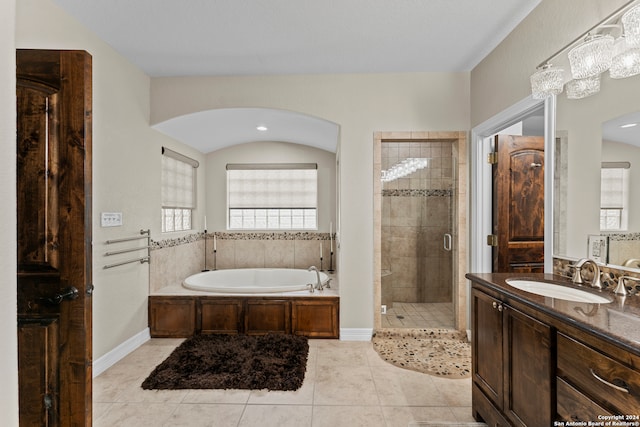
{"points": [[111, 219]]}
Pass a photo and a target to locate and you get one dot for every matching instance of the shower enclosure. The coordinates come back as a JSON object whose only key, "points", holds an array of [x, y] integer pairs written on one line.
{"points": [[417, 233]]}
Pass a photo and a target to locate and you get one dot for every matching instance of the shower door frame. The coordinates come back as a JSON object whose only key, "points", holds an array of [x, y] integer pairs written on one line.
{"points": [[459, 140]]}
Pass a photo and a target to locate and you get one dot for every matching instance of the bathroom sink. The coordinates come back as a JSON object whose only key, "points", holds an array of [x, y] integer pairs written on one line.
{"points": [[556, 291]]}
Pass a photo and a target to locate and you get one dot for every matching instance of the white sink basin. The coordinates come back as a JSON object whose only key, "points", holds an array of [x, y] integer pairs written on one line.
{"points": [[556, 291]]}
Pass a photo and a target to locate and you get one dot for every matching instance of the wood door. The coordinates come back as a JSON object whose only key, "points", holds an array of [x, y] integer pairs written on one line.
{"points": [[518, 204], [53, 160]]}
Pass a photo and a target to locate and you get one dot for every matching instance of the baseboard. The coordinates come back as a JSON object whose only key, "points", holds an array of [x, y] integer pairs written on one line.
{"points": [[356, 334], [111, 358]]}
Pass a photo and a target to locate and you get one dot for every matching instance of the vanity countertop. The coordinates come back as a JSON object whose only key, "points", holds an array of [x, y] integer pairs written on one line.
{"points": [[617, 322]]}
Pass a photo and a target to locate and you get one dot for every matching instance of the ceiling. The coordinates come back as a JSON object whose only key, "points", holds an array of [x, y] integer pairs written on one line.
{"points": [[269, 37], [613, 130]]}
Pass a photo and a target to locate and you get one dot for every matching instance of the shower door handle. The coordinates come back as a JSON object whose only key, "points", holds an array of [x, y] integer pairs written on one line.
{"points": [[447, 242]]}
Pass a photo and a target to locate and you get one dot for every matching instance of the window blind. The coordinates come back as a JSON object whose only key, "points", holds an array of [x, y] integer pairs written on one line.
{"points": [[272, 188], [178, 180], [613, 188]]}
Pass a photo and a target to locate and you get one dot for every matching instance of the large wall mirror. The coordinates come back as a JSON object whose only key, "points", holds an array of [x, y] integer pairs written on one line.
{"points": [[597, 188]]}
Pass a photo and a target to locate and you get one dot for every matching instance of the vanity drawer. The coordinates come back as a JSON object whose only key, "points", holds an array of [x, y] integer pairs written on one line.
{"points": [[575, 406], [600, 378]]}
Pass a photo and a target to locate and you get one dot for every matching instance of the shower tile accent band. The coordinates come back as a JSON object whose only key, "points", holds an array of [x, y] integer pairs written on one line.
{"points": [[417, 193]]}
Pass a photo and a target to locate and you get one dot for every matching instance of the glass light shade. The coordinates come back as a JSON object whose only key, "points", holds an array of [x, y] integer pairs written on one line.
{"points": [[581, 88], [591, 57], [547, 81], [631, 26], [626, 60]]}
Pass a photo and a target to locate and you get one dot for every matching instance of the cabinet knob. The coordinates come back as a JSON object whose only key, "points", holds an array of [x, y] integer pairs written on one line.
{"points": [[495, 304], [500, 307]]}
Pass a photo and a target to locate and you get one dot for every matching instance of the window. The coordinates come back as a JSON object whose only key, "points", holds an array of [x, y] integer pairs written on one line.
{"points": [[178, 190], [272, 196], [614, 196]]}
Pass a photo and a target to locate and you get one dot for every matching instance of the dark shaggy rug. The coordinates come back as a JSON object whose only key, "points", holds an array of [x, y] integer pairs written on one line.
{"points": [[273, 362]]}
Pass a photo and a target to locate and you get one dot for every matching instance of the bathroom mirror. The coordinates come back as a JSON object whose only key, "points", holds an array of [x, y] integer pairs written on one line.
{"points": [[588, 133]]}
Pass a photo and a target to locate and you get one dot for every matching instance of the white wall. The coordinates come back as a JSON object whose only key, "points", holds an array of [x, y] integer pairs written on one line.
{"points": [[8, 337], [126, 166], [360, 104], [269, 152]]}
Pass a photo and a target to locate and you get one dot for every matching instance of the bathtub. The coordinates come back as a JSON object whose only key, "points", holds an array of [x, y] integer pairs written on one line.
{"points": [[253, 280]]}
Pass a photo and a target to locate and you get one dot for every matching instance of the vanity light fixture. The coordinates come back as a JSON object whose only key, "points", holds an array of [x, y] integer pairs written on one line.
{"points": [[581, 88], [546, 81], [631, 25], [593, 53], [626, 60], [628, 125], [591, 57], [262, 128]]}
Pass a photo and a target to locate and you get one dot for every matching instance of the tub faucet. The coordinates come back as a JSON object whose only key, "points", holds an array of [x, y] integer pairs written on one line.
{"points": [[319, 282], [577, 274]]}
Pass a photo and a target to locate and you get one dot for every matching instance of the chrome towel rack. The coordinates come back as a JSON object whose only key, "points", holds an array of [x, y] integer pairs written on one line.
{"points": [[144, 234]]}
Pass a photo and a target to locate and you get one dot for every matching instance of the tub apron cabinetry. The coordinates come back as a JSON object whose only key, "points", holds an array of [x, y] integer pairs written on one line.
{"points": [[184, 316]]}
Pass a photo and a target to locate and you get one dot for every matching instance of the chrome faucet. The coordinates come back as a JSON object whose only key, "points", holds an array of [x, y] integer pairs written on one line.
{"points": [[319, 282], [577, 274]]}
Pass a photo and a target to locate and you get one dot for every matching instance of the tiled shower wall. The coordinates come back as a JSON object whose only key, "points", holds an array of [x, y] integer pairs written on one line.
{"points": [[416, 213], [172, 260]]}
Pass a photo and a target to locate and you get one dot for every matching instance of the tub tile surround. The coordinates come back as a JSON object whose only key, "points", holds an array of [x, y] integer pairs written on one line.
{"points": [[172, 260]]}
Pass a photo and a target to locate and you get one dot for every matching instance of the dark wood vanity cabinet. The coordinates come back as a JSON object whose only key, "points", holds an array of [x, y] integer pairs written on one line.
{"points": [[512, 364], [533, 368]]}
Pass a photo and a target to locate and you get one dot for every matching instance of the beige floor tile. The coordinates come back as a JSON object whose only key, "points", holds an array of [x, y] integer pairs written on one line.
{"points": [[136, 415], [401, 416], [350, 385], [99, 409], [351, 416], [302, 396], [346, 384], [217, 396], [205, 415], [276, 416], [463, 414], [457, 392], [399, 387]]}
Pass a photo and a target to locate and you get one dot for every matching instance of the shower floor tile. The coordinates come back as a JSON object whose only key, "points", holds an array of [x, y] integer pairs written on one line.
{"points": [[347, 383], [419, 315]]}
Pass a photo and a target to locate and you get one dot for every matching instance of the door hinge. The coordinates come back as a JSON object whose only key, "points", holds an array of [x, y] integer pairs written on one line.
{"points": [[492, 158], [492, 240]]}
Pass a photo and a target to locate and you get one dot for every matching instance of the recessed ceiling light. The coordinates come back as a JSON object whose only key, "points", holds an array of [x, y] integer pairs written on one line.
{"points": [[629, 125], [261, 128]]}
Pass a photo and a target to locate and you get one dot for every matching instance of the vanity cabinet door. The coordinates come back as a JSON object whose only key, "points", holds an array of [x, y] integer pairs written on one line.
{"points": [[512, 364], [528, 369], [487, 363]]}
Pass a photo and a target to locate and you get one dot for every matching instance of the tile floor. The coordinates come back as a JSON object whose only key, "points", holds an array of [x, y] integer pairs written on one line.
{"points": [[346, 384], [419, 315]]}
